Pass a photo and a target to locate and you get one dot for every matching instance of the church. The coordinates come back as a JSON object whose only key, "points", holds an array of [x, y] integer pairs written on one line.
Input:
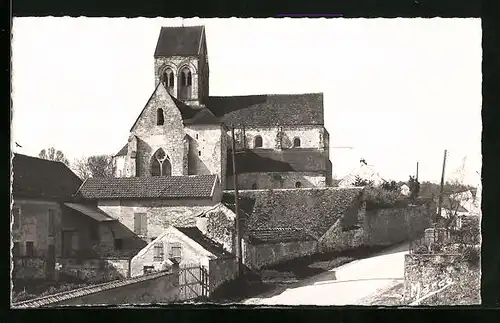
{"points": [[280, 139]]}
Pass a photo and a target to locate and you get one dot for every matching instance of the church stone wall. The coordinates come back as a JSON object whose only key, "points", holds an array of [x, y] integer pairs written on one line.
{"points": [[206, 149], [277, 180], [310, 136]]}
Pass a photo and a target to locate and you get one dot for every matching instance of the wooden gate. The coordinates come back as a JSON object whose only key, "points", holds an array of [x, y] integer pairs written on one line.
{"points": [[193, 282]]}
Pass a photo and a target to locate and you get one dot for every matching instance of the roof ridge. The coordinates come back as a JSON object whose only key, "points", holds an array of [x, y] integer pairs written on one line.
{"points": [[266, 94]]}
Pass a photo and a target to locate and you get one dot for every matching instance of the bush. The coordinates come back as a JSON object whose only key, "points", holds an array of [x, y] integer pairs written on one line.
{"points": [[380, 198], [472, 255]]}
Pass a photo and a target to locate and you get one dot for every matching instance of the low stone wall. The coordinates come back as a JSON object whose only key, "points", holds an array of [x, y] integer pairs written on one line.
{"points": [[257, 256], [29, 268], [394, 225], [221, 270], [441, 279], [160, 287], [95, 270]]}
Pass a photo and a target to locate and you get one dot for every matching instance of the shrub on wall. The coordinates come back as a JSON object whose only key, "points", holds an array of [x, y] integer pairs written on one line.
{"points": [[472, 255], [377, 198]]}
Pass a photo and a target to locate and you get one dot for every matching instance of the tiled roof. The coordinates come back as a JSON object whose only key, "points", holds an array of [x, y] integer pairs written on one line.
{"points": [[278, 235], [312, 209], [208, 244], [123, 151], [91, 211], [40, 178], [166, 187], [64, 296], [182, 41], [269, 110], [288, 160]]}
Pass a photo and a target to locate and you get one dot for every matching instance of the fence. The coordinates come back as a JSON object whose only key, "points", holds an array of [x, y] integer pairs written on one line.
{"points": [[193, 282]]}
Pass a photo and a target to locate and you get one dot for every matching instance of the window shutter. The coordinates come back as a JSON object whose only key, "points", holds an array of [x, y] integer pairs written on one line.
{"points": [[144, 224], [137, 223]]}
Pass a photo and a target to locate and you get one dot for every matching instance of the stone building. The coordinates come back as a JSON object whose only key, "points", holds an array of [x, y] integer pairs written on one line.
{"points": [[182, 130]]}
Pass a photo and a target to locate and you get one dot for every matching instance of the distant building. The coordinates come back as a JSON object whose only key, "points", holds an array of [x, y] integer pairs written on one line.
{"points": [[365, 172], [405, 190]]}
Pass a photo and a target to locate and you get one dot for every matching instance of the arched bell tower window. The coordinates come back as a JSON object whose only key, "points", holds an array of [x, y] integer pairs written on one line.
{"points": [[160, 164], [160, 118], [168, 79], [296, 142], [185, 83], [258, 142]]}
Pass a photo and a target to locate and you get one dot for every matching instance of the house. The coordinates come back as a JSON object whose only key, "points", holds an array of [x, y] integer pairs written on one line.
{"points": [[462, 205], [182, 130], [39, 190], [405, 190], [364, 172]]}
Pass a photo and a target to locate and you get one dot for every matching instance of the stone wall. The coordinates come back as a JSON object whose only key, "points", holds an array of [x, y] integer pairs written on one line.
{"points": [[29, 268], [219, 224], [246, 181], [34, 226], [441, 279], [257, 256], [160, 213], [310, 136], [393, 225], [205, 149], [95, 270], [220, 271], [161, 288]]}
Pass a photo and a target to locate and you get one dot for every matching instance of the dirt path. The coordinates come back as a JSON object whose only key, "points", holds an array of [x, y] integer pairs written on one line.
{"points": [[356, 283]]}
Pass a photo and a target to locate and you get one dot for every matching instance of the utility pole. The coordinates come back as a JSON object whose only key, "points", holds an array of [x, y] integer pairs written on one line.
{"points": [[442, 186], [416, 177], [236, 205]]}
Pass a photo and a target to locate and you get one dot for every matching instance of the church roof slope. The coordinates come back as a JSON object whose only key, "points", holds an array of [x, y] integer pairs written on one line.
{"points": [[165, 187], [269, 110], [123, 151], [208, 244], [41, 178], [268, 160], [182, 41]]}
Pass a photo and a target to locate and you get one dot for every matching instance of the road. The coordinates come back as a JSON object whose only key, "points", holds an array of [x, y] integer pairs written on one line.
{"points": [[351, 284]]}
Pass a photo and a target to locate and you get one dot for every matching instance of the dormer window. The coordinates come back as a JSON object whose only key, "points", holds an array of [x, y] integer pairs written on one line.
{"points": [[168, 79], [296, 142], [160, 118], [185, 82], [258, 142]]}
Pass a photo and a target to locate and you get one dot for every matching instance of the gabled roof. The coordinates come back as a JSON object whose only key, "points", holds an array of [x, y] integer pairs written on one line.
{"points": [[179, 41], [275, 235], [123, 151], [165, 187], [41, 178], [269, 110], [287, 160], [208, 244]]}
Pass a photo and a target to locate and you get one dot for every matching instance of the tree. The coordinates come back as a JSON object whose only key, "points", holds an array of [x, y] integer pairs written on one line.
{"points": [[358, 182], [53, 154], [391, 186], [94, 166]]}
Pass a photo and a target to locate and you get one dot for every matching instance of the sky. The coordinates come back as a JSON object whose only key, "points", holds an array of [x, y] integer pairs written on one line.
{"points": [[398, 91]]}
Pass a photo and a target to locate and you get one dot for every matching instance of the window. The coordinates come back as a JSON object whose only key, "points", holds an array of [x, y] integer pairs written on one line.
{"points": [[168, 78], [140, 224], [199, 152], [94, 232], [160, 164], [298, 184], [30, 249], [175, 250], [258, 142], [52, 226], [160, 120], [254, 186], [158, 251], [118, 244], [196, 136], [186, 79], [148, 269], [296, 142], [16, 217], [16, 249]]}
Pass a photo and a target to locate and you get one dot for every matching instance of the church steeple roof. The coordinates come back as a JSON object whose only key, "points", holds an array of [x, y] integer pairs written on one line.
{"points": [[181, 41]]}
